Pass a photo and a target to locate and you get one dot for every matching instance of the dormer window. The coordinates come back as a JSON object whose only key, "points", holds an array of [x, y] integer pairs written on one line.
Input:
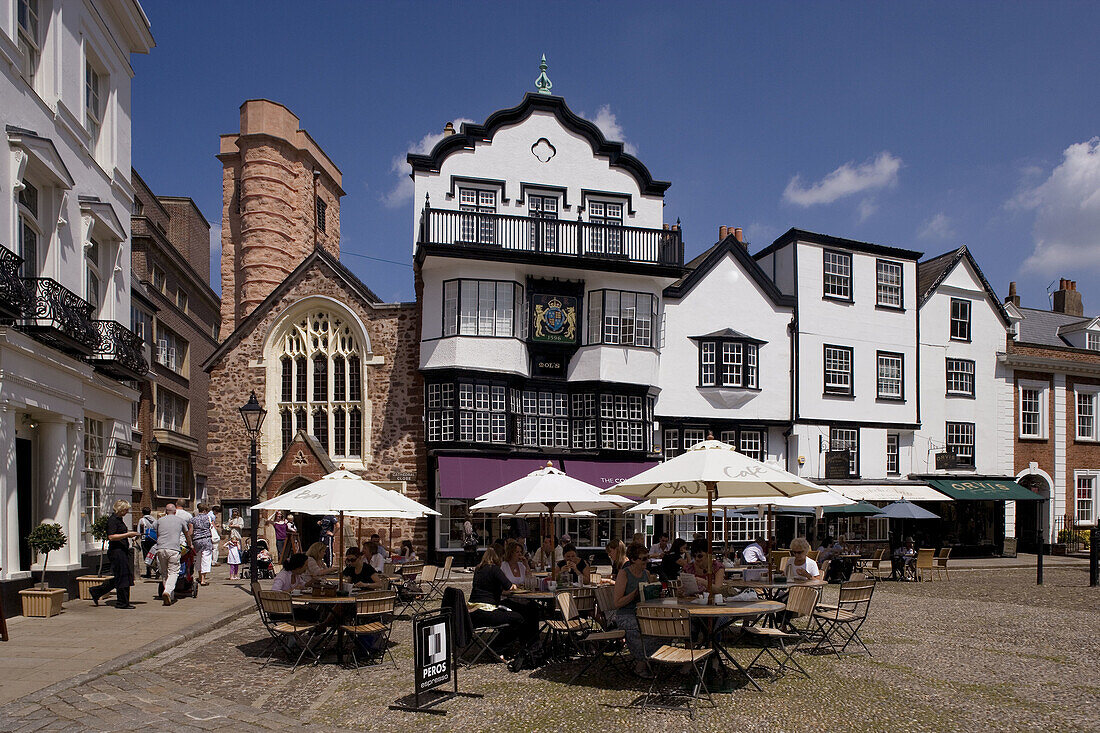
{"points": [[729, 359], [1092, 341]]}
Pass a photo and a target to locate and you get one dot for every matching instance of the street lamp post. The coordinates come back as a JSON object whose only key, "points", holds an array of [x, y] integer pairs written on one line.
{"points": [[253, 415]]}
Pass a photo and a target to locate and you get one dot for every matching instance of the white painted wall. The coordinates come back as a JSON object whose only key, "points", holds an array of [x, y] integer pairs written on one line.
{"points": [[725, 298], [987, 410], [508, 157]]}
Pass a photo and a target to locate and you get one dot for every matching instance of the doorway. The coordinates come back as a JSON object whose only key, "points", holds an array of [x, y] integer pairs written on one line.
{"points": [[24, 483], [1031, 516]]}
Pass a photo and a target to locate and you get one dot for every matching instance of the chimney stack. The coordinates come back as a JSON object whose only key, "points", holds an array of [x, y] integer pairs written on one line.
{"points": [[1012, 297], [739, 235], [723, 232], [1067, 300], [449, 129]]}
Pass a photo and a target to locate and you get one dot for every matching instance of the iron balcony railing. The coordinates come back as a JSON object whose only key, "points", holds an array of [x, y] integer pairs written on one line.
{"points": [[119, 351], [583, 240], [13, 295], [58, 316]]}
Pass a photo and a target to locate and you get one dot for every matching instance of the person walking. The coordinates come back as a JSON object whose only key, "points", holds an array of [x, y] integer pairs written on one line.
{"points": [[215, 535], [171, 529], [233, 556], [280, 535], [148, 537], [202, 533], [118, 551], [470, 541]]}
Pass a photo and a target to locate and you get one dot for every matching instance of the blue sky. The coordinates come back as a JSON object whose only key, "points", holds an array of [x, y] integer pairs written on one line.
{"points": [[919, 125]]}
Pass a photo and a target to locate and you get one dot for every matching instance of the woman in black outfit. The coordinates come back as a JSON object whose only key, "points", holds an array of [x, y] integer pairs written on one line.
{"points": [[672, 562], [118, 552], [521, 618]]}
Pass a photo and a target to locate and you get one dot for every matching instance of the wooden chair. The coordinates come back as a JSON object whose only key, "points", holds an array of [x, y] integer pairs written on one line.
{"points": [[570, 623], [924, 563], [585, 601], [416, 592], [390, 568], [595, 578], [446, 573], [439, 582], [812, 554], [373, 618], [468, 637], [605, 644], [801, 604], [673, 626], [775, 556], [842, 622], [939, 562], [872, 566], [783, 562], [277, 616]]}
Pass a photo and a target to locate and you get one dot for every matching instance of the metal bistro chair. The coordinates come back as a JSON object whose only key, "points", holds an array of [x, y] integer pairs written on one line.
{"points": [[843, 621], [442, 577], [872, 566], [924, 564], [374, 619], [801, 604], [468, 637], [673, 625], [605, 644], [416, 592], [939, 562], [585, 601], [570, 627], [277, 616]]}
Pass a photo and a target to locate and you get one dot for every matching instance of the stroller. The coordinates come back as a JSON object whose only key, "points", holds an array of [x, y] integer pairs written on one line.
{"points": [[185, 583], [264, 568]]}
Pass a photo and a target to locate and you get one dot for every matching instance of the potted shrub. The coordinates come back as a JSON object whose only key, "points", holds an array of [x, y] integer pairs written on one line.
{"points": [[85, 583], [42, 600]]}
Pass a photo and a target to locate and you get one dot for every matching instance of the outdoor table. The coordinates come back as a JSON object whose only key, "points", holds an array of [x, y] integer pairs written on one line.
{"points": [[774, 589], [719, 616], [333, 620]]}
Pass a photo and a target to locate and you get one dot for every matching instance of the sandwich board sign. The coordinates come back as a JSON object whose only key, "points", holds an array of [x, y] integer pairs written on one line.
{"points": [[434, 667]]}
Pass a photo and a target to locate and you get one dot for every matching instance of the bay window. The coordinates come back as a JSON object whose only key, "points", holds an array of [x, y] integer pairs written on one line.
{"points": [[481, 308], [623, 318], [728, 363]]}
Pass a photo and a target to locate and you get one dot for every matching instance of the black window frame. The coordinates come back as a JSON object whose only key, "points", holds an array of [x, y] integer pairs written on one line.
{"points": [[960, 460], [833, 391], [879, 355], [948, 371], [322, 210], [601, 312], [900, 285], [893, 454], [744, 369], [952, 320], [825, 275], [853, 461], [450, 330]]}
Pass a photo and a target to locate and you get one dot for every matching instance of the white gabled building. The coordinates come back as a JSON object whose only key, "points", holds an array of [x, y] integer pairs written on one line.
{"points": [[541, 256], [67, 364]]}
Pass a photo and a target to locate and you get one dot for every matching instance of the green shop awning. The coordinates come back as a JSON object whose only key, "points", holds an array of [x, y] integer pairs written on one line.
{"points": [[988, 489]]}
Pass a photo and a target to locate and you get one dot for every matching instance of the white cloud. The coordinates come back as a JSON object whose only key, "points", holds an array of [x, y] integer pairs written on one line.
{"points": [[937, 227], [609, 125], [216, 257], [402, 190], [1067, 212], [867, 207], [848, 179]]}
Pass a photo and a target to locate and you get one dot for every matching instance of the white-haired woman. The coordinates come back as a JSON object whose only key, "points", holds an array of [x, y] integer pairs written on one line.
{"points": [[800, 567], [118, 552]]}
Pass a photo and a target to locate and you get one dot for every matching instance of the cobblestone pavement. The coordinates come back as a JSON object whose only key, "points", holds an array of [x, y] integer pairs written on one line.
{"points": [[984, 651]]}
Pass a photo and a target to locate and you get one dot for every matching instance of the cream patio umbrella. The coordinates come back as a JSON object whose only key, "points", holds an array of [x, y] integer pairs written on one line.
{"points": [[341, 492], [414, 509], [546, 491], [713, 470]]}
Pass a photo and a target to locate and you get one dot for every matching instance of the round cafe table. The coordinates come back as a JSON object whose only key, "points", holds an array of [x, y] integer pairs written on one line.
{"points": [[333, 620], [718, 617], [774, 589]]}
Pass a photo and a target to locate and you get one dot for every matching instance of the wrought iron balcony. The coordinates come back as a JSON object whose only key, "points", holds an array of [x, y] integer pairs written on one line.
{"points": [[59, 317], [119, 352], [13, 295], [551, 238]]}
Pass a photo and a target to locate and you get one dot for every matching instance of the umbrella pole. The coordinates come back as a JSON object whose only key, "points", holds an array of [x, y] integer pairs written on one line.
{"points": [[710, 543], [358, 532], [771, 535], [341, 543]]}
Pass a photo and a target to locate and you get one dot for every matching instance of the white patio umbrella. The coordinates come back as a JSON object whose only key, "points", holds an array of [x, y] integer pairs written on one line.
{"points": [[667, 506], [714, 470], [341, 492], [546, 491], [414, 510]]}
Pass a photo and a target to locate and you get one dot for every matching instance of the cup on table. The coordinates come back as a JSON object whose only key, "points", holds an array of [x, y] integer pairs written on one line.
{"points": [[551, 585], [705, 596], [718, 598]]}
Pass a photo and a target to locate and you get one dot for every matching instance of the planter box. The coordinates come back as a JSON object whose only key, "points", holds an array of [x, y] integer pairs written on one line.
{"points": [[42, 603], [85, 583], [1058, 548]]}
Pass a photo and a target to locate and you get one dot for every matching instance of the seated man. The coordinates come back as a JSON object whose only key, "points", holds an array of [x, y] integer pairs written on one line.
{"points": [[659, 548], [572, 568], [903, 560], [548, 555], [755, 554]]}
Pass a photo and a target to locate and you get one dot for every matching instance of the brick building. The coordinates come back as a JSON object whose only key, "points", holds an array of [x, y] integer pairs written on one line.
{"points": [[335, 368], [177, 315], [1055, 362]]}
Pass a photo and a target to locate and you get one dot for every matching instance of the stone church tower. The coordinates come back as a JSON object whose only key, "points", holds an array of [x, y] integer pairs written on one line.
{"points": [[334, 366], [280, 201]]}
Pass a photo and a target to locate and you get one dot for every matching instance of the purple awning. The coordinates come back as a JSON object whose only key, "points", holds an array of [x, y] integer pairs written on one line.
{"points": [[468, 477]]}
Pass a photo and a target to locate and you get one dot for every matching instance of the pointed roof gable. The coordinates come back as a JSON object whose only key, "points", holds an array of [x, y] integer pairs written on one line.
{"points": [[304, 457], [319, 255], [706, 261], [931, 273], [471, 134]]}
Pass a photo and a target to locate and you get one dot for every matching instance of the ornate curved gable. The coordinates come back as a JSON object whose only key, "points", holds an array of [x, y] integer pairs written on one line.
{"points": [[471, 135]]}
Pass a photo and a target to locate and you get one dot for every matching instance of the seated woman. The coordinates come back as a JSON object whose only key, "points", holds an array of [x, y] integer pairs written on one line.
{"points": [[703, 566], [800, 567], [316, 569], [616, 553], [488, 609], [408, 554], [293, 576], [360, 573], [625, 600], [572, 568], [673, 561], [514, 565]]}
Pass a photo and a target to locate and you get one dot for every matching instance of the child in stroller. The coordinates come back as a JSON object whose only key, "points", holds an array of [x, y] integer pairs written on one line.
{"points": [[185, 583], [264, 568]]}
